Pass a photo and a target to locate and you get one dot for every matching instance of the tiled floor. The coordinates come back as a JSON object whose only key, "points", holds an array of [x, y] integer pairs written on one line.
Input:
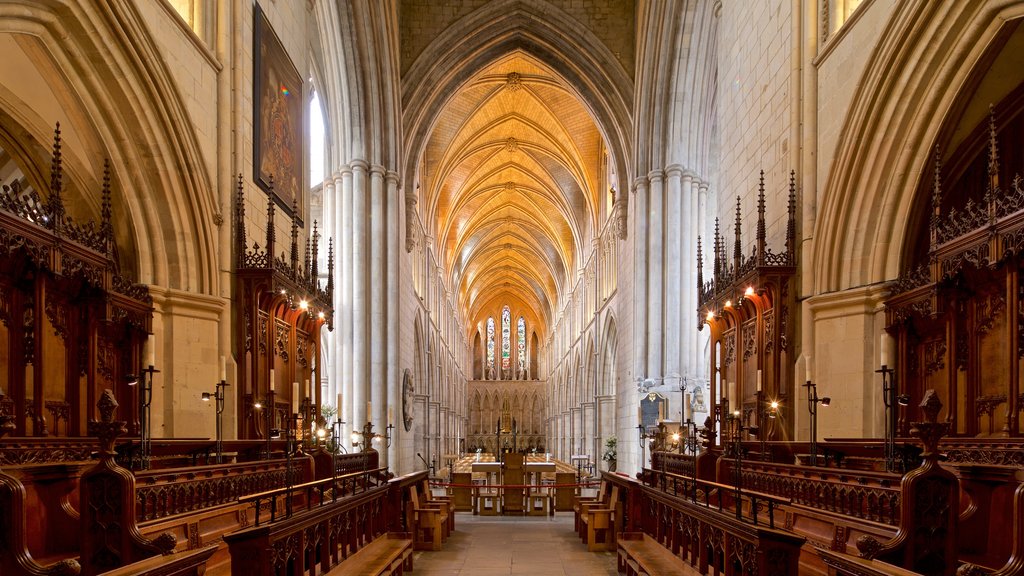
{"points": [[507, 545]]}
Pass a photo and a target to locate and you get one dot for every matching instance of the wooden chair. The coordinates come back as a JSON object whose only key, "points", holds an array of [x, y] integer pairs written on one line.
{"points": [[429, 524], [462, 492], [583, 501], [430, 499], [600, 522]]}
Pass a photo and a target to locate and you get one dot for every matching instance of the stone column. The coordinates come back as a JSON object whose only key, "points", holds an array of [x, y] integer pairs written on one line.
{"points": [[655, 275], [675, 229], [360, 307], [377, 284], [392, 378], [343, 298], [640, 281]]}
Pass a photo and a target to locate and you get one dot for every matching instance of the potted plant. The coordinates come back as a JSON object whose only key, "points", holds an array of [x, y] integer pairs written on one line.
{"points": [[610, 452]]}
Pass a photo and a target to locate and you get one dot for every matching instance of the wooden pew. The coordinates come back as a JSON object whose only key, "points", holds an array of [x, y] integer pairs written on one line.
{"points": [[578, 504], [389, 554], [429, 524], [187, 563], [641, 555], [15, 557]]}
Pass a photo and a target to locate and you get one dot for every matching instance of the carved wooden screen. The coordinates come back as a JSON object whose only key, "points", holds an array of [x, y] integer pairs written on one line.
{"points": [[70, 324], [747, 305], [281, 309], [957, 316]]}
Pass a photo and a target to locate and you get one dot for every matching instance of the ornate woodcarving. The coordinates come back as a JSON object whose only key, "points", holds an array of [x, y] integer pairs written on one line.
{"points": [[934, 356], [749, 337], [769, 332], [729, 352]]}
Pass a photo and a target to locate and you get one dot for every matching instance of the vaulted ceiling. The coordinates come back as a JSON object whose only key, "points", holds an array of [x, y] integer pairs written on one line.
{"points": [[510, 181]]}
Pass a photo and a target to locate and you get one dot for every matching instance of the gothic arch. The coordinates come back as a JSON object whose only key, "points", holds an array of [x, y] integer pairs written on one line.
{"points": [[125, 106], [867, 199]]}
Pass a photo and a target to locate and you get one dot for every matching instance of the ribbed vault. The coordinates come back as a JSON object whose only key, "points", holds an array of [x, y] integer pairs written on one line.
{"points": [[510, 180]]}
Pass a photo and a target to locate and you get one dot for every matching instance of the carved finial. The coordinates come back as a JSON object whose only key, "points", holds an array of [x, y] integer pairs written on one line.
{"points": [[791, 220], [306, 270], [271, 234], [315, 270], [718, 251], [737, 249], [933, 221], [56, 204], [295, 237], [240, 221], [761, 233], [993, 145], [700, 270], [106, 429], [931, 430], [106, 216], [330, 269]]}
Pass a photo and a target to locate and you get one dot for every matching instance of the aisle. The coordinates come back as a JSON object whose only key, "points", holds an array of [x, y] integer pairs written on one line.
{"points": [[506, 545]]}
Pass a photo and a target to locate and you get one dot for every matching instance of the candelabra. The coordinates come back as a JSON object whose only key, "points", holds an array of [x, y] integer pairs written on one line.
{"points": [[812, 407], [644, 437], [364, 439], [144, 382], [219, 397]]}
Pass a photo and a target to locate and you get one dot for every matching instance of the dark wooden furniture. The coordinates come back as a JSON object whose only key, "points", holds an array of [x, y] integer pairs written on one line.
{"points": [[748, 306], [429, 524], [388, 554], [641, 555], [72, 323], [187, 563], [281, 308]]}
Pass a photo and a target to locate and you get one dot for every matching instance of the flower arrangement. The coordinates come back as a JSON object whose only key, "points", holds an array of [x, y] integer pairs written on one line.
{"points": [[610, 449]]}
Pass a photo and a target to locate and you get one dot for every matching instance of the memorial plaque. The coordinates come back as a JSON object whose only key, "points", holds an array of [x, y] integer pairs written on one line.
{"points": [[653, 408]]}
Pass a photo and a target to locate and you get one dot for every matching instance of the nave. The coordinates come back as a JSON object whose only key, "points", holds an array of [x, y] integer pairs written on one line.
{"points": [[514, 545]]}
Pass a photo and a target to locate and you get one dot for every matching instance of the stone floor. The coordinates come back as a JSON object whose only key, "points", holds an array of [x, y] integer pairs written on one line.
{"points": [[507, 545]]}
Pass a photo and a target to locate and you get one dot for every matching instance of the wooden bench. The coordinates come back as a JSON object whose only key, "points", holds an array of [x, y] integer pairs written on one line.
{"points": [[429, 523], [641, 555], [186, 563], [388, 554]]}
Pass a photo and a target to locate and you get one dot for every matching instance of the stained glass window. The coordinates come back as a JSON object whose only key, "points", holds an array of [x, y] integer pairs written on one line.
{"points": [[521, 347], [506, 338], [490, 342]]}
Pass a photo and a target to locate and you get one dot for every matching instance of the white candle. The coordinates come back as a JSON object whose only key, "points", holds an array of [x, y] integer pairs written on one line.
{"points": [[338, 408], [309, 391], [295, 396], [272, 385], [687, 406], [223, 369], [808, 368], [884, 347], [369, 411], [759, 383], [732, 391], [148, 353], [391, 414]]}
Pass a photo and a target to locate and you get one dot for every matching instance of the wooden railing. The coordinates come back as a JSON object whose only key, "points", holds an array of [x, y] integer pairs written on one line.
{"points": [[315, 540], [314, 492], [873, 496], [714, 541], [163, 493], [747, 505]]}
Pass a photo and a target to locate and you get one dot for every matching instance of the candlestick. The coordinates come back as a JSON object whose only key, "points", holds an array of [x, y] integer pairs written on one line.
{"points": [[223, 369]]}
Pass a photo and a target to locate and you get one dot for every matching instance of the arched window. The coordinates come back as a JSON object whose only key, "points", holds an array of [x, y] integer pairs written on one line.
{"points": [[506, 338], [521, 343], [490, 343]]}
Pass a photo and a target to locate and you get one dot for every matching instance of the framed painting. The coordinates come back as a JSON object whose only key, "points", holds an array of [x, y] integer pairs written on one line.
{"points": [[277, 119]]}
